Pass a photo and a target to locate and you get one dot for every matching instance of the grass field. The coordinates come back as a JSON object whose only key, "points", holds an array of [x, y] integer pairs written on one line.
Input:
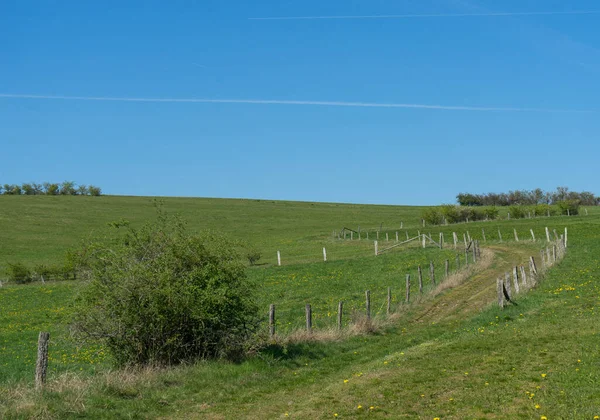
{"points": [[449, 356]]}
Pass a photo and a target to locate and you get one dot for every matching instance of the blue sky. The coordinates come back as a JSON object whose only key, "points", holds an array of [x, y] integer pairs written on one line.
{"points": [[537, 67]]}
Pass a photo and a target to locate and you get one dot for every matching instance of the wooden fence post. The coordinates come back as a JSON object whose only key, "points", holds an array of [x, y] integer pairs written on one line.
{"points": [[516, 236], [533, 266], [41, 366], [499, 234], [387, 238], [554, 253], [547, 235], [447, 268], [339, 314], [368, 303], [420, 279], [272, 321], [376, 253], [324, 254], [532, 235], [483, 235], [507, 285], [566, 237], [389, 300], [548, 258], [351, 235], [468, 236], [516, 280], [543, 257], [455, 237], [424, 240], [523, 276], [278, 258], [308, 318], [441, 239], [465, 239], [396, 236], [500, 291], [407, 288], [432, 272], [474, 252]]}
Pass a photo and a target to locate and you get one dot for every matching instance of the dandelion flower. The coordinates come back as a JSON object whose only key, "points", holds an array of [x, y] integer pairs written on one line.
{"points": [[345, 381], [537, 406], [359, 406], [543, 375], [371, 407]]}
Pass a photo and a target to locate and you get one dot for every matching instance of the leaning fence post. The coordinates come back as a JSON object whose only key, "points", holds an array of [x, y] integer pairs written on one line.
{"points": [[499, 234], [532, 235], [41, 366], [447, 268], [272, 321], [516, 236], [368, 303], [420, 279], [533, 266], [389, 300], [547, 235], [308, 318], [339, 314], [407, 288]]}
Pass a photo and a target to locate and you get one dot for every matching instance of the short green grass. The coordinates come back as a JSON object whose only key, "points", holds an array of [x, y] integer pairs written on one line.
{"points": [[443, 358]]}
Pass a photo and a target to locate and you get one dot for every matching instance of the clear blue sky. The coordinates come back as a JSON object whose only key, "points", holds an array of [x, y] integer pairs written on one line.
{"points": [[535, 57]]}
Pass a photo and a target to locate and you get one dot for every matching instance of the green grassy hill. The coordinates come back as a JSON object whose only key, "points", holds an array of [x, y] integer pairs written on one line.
{"points": [[452, 355]]}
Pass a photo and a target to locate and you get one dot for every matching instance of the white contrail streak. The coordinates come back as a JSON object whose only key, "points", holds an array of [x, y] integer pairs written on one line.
{"points": [[432, 15], [286, 102]]}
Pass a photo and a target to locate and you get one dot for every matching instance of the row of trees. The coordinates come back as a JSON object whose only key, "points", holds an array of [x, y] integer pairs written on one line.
{"points": [[449, 213], [49, 188], [525, 197]]}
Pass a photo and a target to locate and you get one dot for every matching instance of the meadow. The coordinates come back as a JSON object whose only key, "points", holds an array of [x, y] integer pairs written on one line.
{"points": [[450, 356]]}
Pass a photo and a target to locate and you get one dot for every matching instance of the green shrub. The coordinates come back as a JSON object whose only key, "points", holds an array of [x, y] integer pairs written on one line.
{"points": [[19, 273], [450, 213], [491, 213], [432, 216], [253, 256], [517, 212], [569, 207], [159, 295]]}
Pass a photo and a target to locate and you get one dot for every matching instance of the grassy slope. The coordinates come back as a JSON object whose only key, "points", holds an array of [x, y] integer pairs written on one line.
{"points": [[435, 363]]}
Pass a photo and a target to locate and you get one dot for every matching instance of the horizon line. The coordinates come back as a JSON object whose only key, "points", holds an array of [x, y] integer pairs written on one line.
{"points": [[429, 15]]}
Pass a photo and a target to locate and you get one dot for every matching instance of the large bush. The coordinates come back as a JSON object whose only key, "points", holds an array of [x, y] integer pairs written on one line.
{"points": [[570, 207], [159, 295]]}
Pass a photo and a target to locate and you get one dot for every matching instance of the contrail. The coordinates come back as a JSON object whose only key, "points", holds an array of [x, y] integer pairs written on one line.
{"points": [[287, 102], [432, 15]]}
